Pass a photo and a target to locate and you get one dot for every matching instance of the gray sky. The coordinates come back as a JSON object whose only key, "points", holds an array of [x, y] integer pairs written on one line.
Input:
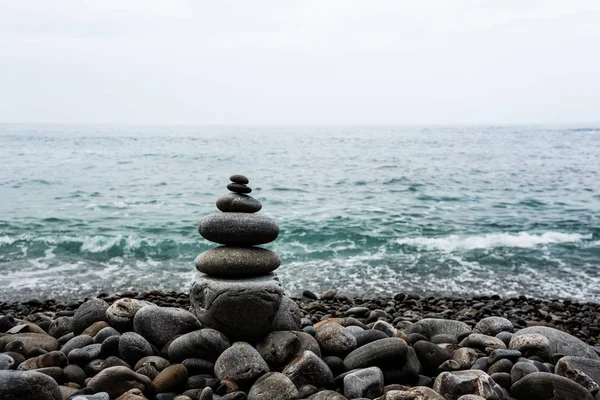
{"points": [[300, 62]]}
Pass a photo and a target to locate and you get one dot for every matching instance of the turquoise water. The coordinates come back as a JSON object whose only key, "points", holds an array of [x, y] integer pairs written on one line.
{"points": [[437, 210]]}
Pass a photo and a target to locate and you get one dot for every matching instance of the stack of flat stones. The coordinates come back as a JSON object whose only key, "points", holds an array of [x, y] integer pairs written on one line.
{"points": [[239, 293]]}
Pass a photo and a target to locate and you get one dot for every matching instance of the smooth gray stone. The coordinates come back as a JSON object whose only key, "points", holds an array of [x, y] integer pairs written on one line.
{"points": [[561, 342], [74, 373], [159, 362], [242, 309], [327, 395], [430, 355], [502, 365], [105, 333], [159, 325], [531, 344], [309, 369], [280, 347], [335, 340], [368, 336], [546, 386], [30, 341], [465, 357], [240, 363], [378, 353], [234, 261], [6, 362], [76, 342], [207, 344], [91, 311], [288, 316], [492, 326], [96, 396], [520, 369], [505, 337], [122, 312], [239, 178], [405, 371], [498, 354], [430, 327], [206, 394], [235, 228], [452, 385], [237, 202], [273, 385], [366, 382], [28, 385], [85, 354], [60, 326], [580, 370], [133, 347], [118, 380], [412, 393]]}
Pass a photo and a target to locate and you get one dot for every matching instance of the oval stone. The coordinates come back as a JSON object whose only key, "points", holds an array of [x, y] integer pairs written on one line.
{"points": [[239, 188], [239, 229], [232, 261], [236, 202], [238, 178]]}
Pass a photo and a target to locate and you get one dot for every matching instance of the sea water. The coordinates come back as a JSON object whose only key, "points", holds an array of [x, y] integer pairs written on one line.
{"points": [[440, 210]]}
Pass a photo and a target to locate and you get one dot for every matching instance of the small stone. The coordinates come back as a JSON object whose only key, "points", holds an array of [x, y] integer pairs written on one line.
{"points": [[238, 178], [74, 373], [105, 333], [91, 311], [327, 395], [171, 379], [366, 382], [237, 202], [377, 353], [234, 262], [434, 326], [492, 326], [30, 341], [133, 394], [133, 347], [482, 342], [520, 369], [430, 355], [76, 342], [28, 385], [546, 386], [122, 312], [94, 328], [60, 326], [160, 362], [159, 325], [581, 370], [561, 342], [334, 339], [465, 357], [207, 394], [273, 385], [531, 344], [96, 396], [239, 188], [498, 354], [240, 363], [235, 228], [118, 380], [368, 336], [309, 369], [412, 393], [452, 385], [85, 354], [205, 343], [502, 365], [6, 362], [280, 347]]}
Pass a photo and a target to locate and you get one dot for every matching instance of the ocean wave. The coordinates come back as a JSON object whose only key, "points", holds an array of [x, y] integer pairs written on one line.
{"points": [[493, 240]]}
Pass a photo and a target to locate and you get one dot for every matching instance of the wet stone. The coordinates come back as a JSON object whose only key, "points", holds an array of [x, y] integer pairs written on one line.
{"points": [[160, 324], [239, 188], [546, 386], [366, 382], [237, 262], [237, 202], [239, 178], [28, 385], [235, 228], [273, 385], [240, 363]]}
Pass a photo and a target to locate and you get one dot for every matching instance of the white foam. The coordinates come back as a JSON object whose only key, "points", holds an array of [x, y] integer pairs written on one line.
{"points": [[7, 240], [522, 240]]}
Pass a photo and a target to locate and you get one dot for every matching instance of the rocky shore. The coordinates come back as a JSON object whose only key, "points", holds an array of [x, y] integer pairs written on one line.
{"points": [[132, 346]]}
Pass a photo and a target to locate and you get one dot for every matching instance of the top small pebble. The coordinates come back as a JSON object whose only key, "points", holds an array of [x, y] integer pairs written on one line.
{"points": [[241, 179]]}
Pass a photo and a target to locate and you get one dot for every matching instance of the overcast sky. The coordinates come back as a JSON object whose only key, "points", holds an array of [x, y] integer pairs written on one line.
{"points": [[300, 62]]}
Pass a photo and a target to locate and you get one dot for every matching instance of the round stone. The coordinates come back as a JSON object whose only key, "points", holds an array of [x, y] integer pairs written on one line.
{"points": [[239, 188], [237, 202], [159, 325], [28, 385], [238, 178], [240, 363], [273, 385], [237, 228], [232, 261], [118, 380]]}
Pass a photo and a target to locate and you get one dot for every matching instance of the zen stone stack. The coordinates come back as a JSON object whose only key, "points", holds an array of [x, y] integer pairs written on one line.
{"points": [[238, 293]]}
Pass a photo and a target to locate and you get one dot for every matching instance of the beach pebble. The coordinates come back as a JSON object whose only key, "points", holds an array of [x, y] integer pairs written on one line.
{"points": [[237, 202], [581, 370], [74, 373], [560, 342], [237, 262], [160, 362], [280, 347], [240, 363], [95, 396], [546, 386], [482, 342], [241, 308], [91, 311], [122, 312], [235, 228], [84, 355], [368, 336], [334, 339], [29, 342], [273, 385], [133, 394], [492, 326], [455, 384], [205, 343], [430, 355], [60, 326], [105, 333], [309, 369], [6, 362], [118, 380], [170, 379], [412, 393], [366, 382], [159, 325], [531, 344], [327, 395], [239, 188], [465, 357], [430, 327], [376, 353], [133, 347], [28, 385]]}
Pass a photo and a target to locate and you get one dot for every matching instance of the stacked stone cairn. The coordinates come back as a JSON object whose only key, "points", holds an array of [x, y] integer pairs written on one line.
{"points": [[239, 293]]}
